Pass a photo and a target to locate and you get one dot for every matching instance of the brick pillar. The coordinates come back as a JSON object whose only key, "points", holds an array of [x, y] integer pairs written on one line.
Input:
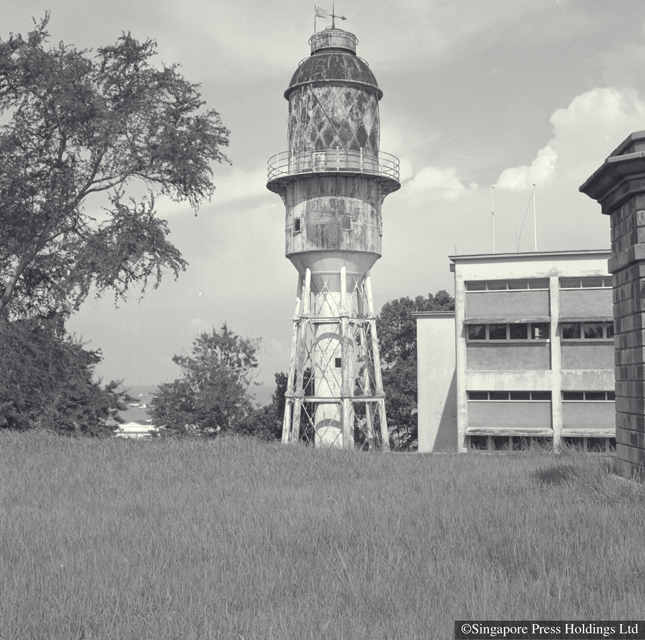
{"points": [[619, 186]]}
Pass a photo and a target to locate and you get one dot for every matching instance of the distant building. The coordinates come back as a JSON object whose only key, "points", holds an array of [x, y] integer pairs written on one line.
{"points": [[526, 358], [135, 430]]}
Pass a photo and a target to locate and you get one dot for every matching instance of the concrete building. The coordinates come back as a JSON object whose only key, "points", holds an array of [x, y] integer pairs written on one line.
{"points": [[526, 358]]}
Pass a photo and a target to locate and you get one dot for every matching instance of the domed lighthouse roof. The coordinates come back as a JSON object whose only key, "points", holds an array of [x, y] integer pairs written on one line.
{"points": [[333, 59]]}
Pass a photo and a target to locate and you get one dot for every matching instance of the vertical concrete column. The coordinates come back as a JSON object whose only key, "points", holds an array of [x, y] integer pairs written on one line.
{"points": [[619, 186], [556, 361], [461, 361]]}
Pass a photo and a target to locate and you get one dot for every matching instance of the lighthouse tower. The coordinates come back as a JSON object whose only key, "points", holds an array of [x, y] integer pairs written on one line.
{"points": [[333, 180]]}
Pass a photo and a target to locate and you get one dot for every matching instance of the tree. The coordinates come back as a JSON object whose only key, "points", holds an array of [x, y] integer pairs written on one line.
{"points": [[47, 381], [266, 422], [397, 335], [212, 395], [75, 125]]}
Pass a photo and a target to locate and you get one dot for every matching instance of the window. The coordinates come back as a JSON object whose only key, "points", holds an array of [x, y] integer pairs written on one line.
{"points": [[540, 330], [590, 444], [519, 331], [587, 330], [296, 225], [346, 223], [537, 396], [512, 443], [595, 282], [588, 396], [509, 331], [497, 332], [507, 285], [571, 330], [477, 332], [338, 363]]}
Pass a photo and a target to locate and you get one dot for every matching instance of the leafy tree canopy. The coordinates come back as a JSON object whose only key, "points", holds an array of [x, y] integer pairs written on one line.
{"points": [[212, 395], [47, 381], [77, 123], [397, 335]]}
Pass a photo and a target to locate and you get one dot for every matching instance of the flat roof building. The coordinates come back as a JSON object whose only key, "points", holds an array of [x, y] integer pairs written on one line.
{"points": [[526, 358]]}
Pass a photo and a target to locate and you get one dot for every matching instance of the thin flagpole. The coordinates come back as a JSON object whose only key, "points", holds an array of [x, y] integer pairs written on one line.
{"points": [[534, 220], [493, 209]]}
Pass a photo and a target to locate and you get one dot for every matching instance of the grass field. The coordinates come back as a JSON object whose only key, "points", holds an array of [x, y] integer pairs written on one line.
{"points": [[234, 539]]}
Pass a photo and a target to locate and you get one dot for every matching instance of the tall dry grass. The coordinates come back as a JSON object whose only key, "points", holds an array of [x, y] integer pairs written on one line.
{"points": [[234, 539]]}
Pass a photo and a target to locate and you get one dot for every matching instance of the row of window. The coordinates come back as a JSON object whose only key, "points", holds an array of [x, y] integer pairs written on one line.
{"points": [[578, 396], [510, 331], [538, 283], [540, 331], [587, 330], [510, 395], [506, 285], [525, 443]]}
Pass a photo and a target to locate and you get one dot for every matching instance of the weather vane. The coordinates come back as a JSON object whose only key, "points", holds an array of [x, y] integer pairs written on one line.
{"points": [[324, 13]]}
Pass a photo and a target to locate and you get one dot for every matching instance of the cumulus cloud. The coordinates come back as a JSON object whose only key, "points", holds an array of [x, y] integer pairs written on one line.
{"points": [[540, 171], [438, 183], [584, 134]]}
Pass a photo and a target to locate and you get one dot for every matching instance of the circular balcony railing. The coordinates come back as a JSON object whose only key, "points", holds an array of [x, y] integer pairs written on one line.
{"points": [[285, 164]]}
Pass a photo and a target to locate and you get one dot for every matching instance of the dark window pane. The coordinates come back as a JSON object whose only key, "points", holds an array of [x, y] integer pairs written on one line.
{"points": [[479, 443], [592, 330], [498, 395], [569, 283], [540, 331], [338, 363], [571, 330], [609, 328], [539, 283], [611, 444], [477, 332], [296, 224], [346, 223], [476, 285], [574, 443], [496, 285], [594, 396], [573, 395], [518, 284], [611, 395], [542, 443], [478, 395], [606, 282], [519, 331], [500, 443], [520, 395], [596, 444], [497, 332], [592, 282], [520, 443], [540, 395]]}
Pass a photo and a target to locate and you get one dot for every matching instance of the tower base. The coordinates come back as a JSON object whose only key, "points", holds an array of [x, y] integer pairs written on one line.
{"points": [[334, 392]]}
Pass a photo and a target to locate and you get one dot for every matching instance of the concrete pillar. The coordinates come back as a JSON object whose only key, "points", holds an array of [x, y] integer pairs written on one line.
{"points": [[619, 186]]}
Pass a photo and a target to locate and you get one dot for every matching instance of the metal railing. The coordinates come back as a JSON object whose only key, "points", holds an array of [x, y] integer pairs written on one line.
{"points": [[285, 164]]}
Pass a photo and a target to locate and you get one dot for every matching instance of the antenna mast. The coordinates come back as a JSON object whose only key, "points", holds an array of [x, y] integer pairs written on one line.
{"points": [[493, 208], [534, 220]]}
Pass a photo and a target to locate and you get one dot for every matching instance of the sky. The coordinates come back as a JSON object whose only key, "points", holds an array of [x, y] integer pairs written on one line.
{"points": [[478, 94]]}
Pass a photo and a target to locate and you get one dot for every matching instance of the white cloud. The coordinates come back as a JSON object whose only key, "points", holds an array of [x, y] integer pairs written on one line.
{"points": [[541, 171], [584, 134], [438, 183]]}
